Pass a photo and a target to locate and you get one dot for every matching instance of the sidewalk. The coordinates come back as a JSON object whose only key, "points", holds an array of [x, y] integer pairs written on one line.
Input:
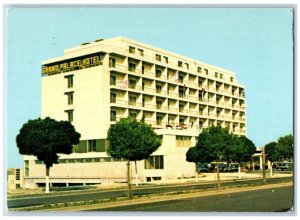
{"points": [[202, 178]]}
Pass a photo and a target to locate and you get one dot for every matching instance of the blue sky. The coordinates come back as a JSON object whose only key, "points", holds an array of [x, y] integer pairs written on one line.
{"points": [[256, 43]]}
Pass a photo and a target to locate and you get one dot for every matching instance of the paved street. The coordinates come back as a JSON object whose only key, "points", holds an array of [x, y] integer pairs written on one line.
{"points": [[263, 200]]}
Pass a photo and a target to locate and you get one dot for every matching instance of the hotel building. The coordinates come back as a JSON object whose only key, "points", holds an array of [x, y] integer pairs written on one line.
{"points": [[96, 84]]}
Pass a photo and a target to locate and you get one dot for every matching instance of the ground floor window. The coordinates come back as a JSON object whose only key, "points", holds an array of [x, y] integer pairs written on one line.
{"points": [[154, 162], [183, 141]]}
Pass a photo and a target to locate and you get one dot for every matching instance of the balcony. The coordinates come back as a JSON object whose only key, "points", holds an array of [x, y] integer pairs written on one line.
{"points": [[118, 102]]}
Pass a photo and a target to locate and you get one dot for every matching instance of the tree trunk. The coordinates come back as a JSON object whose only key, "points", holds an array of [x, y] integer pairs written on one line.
{"points": [[240, 176], [128, 180], [136, 177], [47, 179], [218, 176]]}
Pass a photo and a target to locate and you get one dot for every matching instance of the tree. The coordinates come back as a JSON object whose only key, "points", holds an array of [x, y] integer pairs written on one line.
{"points": [[192, 155], [272, 154], [285, 147], [45, 138], [212, 145], [241, 150], [271, 151], [131, 140]]}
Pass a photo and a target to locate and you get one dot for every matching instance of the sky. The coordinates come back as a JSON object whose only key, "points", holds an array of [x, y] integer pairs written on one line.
{"points": [[255, 43]]}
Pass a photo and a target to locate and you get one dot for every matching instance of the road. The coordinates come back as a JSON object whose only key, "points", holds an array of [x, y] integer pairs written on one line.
{"points": [[262, 200], [106, 194]]}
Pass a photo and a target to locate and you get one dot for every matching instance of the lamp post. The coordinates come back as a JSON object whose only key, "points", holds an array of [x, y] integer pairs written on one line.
{"points": [[264, 164]]}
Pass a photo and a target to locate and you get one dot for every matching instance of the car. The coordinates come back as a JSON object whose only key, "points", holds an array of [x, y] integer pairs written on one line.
{"points": [[233, 167], [222, 167], [202, 167], [284, 166]]}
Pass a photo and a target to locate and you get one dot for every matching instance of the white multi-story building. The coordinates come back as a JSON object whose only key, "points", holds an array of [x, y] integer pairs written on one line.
{"points": [[96, 84]]}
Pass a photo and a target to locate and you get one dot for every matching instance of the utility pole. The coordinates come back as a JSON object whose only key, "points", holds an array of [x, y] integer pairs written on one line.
{"points": [[264, 164]]}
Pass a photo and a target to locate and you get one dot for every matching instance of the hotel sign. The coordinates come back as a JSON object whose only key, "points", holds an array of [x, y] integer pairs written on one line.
{"points": [[72, 64]]}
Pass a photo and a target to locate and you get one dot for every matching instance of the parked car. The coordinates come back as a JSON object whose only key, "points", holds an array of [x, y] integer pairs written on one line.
{"points": [[284, 166], [222, 167], [233, 167], [202, 167]]}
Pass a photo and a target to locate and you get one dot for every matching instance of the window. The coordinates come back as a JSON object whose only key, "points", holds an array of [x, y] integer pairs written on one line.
{"points": [[132, 83], [112, 62], [131, 67], [183, 141], [158, 57], [131, 49], [70, 80], [158, 119], [69, 97], [199, 70], [201, 111], [62, 160], [112, 97], [17, 174], [70, 115], [154, 162], [180, 78], [166, 59], [206, 71], [157, 73], [216, 74], [231, 79], [26, 167], [113, 80], [187, 65], [18, 185], [200, 124], [181, 107], [179, 63], [221, 76], [132, 100], [132, 115], [91, 145], [158, 104], [200, 83], [113, 115], [181, 120], [158, 88], [141, 52]]}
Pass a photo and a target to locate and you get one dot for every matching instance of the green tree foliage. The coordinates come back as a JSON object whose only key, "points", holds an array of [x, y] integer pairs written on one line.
{"points": [[216, 144], [45, 138], [241, 150], [213, 143], [132, 140], [192, 155], [281, 150], [271, 151], [285, 147]]}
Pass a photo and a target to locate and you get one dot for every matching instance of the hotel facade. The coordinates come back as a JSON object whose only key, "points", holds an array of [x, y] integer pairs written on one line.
{"points": [[96, 84]]}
